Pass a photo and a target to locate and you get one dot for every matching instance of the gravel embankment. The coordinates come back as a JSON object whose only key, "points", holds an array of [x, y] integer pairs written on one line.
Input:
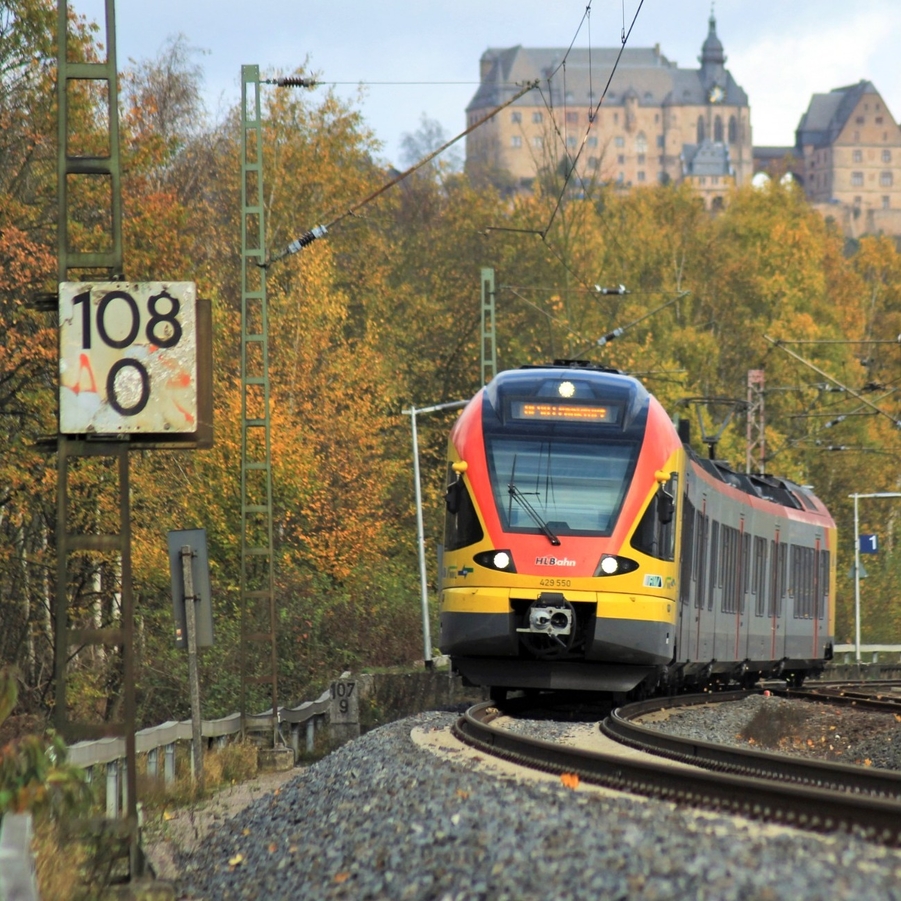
{"points": [[382, 818], [841, 734]]}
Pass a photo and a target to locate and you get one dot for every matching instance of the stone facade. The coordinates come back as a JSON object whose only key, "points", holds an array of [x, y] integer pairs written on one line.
{"points": [[850, 151]]}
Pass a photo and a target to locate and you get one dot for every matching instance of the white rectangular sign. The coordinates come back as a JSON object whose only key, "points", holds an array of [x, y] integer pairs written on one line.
{"points": [[127, 358]]}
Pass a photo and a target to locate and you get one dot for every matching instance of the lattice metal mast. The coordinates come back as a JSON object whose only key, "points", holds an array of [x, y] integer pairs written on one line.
{"points": [[258, 613]]}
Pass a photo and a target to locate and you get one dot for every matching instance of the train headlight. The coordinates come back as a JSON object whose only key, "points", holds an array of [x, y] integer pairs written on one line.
{"points": [[612, 565], [609, 565], [500, 560]]}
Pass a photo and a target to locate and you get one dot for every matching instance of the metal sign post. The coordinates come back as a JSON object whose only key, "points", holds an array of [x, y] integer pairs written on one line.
{"points": [[187, 566], [856, 498], [420, 532]]}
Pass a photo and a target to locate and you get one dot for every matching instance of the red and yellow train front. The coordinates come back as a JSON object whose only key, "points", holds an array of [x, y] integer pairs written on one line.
{"points": [[560, 559]]}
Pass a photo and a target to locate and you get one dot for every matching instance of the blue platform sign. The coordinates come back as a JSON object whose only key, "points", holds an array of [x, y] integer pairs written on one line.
{"points": [[868, 544]]}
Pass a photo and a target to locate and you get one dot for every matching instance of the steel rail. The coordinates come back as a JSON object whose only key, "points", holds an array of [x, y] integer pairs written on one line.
{"points": [[807, 807], [837, 777]]}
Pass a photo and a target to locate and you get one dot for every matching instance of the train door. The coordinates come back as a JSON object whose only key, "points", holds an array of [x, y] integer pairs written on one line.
{"points": [[708, 618], [757, 622], [743, 613], [777, 583], [699, 579], [687, 583]]}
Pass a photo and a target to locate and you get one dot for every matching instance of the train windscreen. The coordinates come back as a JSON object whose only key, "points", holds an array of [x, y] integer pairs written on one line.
{"points": [[567, 486]]}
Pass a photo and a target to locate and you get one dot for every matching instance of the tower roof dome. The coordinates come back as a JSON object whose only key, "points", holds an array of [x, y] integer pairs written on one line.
{"points": [[712, 48]]}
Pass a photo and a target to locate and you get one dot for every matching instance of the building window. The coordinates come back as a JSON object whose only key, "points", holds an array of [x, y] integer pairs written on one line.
{"points": [[718, 130], [537, 117], [593, 141], [885, 179], [857, 179], [859, 120], [640, 159], [621, 159], [857, 156], [641, 176], [886, 203], [593, 162], [879, 120], [571, 141], [572, 117], [857, 201], [538, 141], [660, 142], [641, 143], [702, 132], [886, 156], [516, 117], [620, 141], [516, 141], [733, 130]]}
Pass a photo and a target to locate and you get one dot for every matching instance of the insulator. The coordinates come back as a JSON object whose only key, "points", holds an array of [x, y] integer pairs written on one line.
{"points": [[293, 81]]}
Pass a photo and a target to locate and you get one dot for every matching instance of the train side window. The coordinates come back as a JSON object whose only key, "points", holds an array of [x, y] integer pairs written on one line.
{"points": [[461, 522], [802, 570]]}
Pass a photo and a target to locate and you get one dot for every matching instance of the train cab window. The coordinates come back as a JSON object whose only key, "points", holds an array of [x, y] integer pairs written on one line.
{"points": [[655, 534], [569, 486], [461, 523]]}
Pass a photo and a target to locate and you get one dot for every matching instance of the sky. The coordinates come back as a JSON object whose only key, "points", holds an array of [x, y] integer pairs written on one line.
{"points": [[780, 51]]}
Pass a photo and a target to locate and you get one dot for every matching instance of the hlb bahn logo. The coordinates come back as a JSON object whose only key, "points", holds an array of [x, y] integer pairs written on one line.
{"points": [[554, 561]]}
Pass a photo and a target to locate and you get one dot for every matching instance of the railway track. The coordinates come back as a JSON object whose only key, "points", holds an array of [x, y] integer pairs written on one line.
{"points": [[808, 794]]}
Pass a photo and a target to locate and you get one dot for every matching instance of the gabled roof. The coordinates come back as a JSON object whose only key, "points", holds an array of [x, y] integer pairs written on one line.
{"points": [[643, 70], [828, 114], [706, 158]]}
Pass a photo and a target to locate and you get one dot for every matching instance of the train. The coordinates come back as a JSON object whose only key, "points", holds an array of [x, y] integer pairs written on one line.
{"points": [[587, 547]]}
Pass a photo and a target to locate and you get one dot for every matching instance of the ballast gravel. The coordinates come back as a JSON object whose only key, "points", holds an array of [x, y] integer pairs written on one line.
{"points": [[382, 818]]}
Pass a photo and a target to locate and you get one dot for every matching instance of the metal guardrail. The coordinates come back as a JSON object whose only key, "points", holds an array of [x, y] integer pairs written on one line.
{"points": [[110, 752], [869, 653]]}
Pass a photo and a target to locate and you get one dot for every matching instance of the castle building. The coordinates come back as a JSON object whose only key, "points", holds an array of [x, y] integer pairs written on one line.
{"points": [[849, 151], [658, 123]]}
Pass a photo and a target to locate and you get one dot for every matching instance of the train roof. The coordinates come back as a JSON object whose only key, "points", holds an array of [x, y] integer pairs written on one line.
{"points": [[770, 488]]}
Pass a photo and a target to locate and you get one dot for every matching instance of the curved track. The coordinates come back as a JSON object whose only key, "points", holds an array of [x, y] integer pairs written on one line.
{"points": [[808, 794]]}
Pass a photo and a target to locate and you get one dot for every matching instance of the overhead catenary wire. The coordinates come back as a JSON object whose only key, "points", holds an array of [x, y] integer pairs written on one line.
{"points": [[777, 343], [320, 231]]}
